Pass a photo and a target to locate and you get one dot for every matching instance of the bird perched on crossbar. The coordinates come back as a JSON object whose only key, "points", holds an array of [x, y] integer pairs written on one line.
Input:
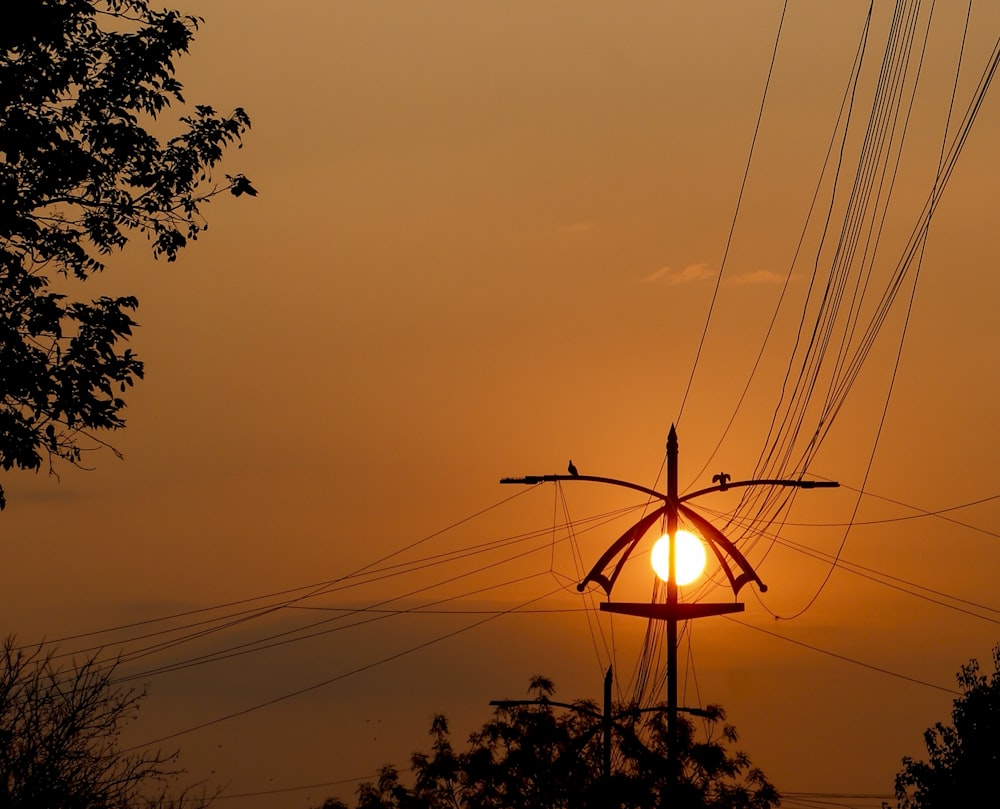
{"points": [[722, 479], [572, 470]]}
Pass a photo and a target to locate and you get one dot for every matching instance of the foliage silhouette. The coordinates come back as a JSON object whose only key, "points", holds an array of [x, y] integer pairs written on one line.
{"points": [[963, 757], [530, 756], [82, 86], [59, 731]]}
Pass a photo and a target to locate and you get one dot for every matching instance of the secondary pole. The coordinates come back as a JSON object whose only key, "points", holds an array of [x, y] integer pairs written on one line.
{"points": [[606, 740]]}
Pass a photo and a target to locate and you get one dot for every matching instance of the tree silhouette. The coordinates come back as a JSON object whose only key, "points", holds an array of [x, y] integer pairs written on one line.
{"points": [[82, 169], [59, 732], [963, 757], [530, 756]]}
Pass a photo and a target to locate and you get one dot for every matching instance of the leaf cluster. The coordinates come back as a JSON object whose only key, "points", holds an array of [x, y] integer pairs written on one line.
{"points": [[532, 755], [83, 169], [963, 758]]}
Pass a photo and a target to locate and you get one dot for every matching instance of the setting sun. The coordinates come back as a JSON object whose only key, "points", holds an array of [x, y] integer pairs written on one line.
{"points": [[690, 557]]}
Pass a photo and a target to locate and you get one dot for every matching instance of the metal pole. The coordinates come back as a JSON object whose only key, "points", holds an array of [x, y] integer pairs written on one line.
{"points": [[673, 757], [607, 732]]}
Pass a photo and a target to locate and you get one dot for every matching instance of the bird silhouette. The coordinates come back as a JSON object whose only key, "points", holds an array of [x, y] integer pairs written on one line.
{"points": [[573, 471], [240, 185], [722, 479]]}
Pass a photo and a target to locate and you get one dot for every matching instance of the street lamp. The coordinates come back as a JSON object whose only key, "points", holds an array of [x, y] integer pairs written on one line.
{"points": [[737, 569]]}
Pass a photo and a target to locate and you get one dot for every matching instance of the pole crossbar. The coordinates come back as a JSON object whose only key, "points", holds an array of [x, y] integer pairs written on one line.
{"points": [[530, 480]]}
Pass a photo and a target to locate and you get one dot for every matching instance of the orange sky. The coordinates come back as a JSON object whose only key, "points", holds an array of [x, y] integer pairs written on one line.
{"points": [[486, 242]]}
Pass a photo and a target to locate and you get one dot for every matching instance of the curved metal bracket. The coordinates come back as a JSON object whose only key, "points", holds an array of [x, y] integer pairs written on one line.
{"points": [[725, 551], [722, 547], [624, 545]]}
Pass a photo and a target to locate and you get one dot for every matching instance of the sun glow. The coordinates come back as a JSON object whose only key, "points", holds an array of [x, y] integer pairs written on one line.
{"points": [[690, 557]]}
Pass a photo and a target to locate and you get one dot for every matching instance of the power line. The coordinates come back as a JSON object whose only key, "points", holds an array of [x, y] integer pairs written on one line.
{"points": [[845, 658], [262, 644], [736, 213], [299, 589], [299, 788], [329, 681]]}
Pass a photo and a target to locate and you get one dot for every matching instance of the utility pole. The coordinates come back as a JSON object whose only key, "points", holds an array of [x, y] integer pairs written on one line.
{"points": [[673, 760], [738, 570]]}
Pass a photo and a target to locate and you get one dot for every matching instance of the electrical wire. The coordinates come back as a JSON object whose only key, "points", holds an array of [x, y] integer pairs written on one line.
{"points": [[736, 213], [337, 678], [845, 658], [307, 587], [853, 257], [231, 620]]}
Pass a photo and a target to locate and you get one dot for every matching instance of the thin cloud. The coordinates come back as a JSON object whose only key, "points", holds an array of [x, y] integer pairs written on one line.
{"points": [[690, 274], [757, 277]]}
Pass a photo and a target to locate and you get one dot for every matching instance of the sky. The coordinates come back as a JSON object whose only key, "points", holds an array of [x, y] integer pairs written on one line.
{"points": [[491, 238]]}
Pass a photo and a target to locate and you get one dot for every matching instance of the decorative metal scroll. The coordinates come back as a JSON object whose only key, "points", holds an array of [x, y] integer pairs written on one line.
{"points": [[737, 569], [624, 545]]}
